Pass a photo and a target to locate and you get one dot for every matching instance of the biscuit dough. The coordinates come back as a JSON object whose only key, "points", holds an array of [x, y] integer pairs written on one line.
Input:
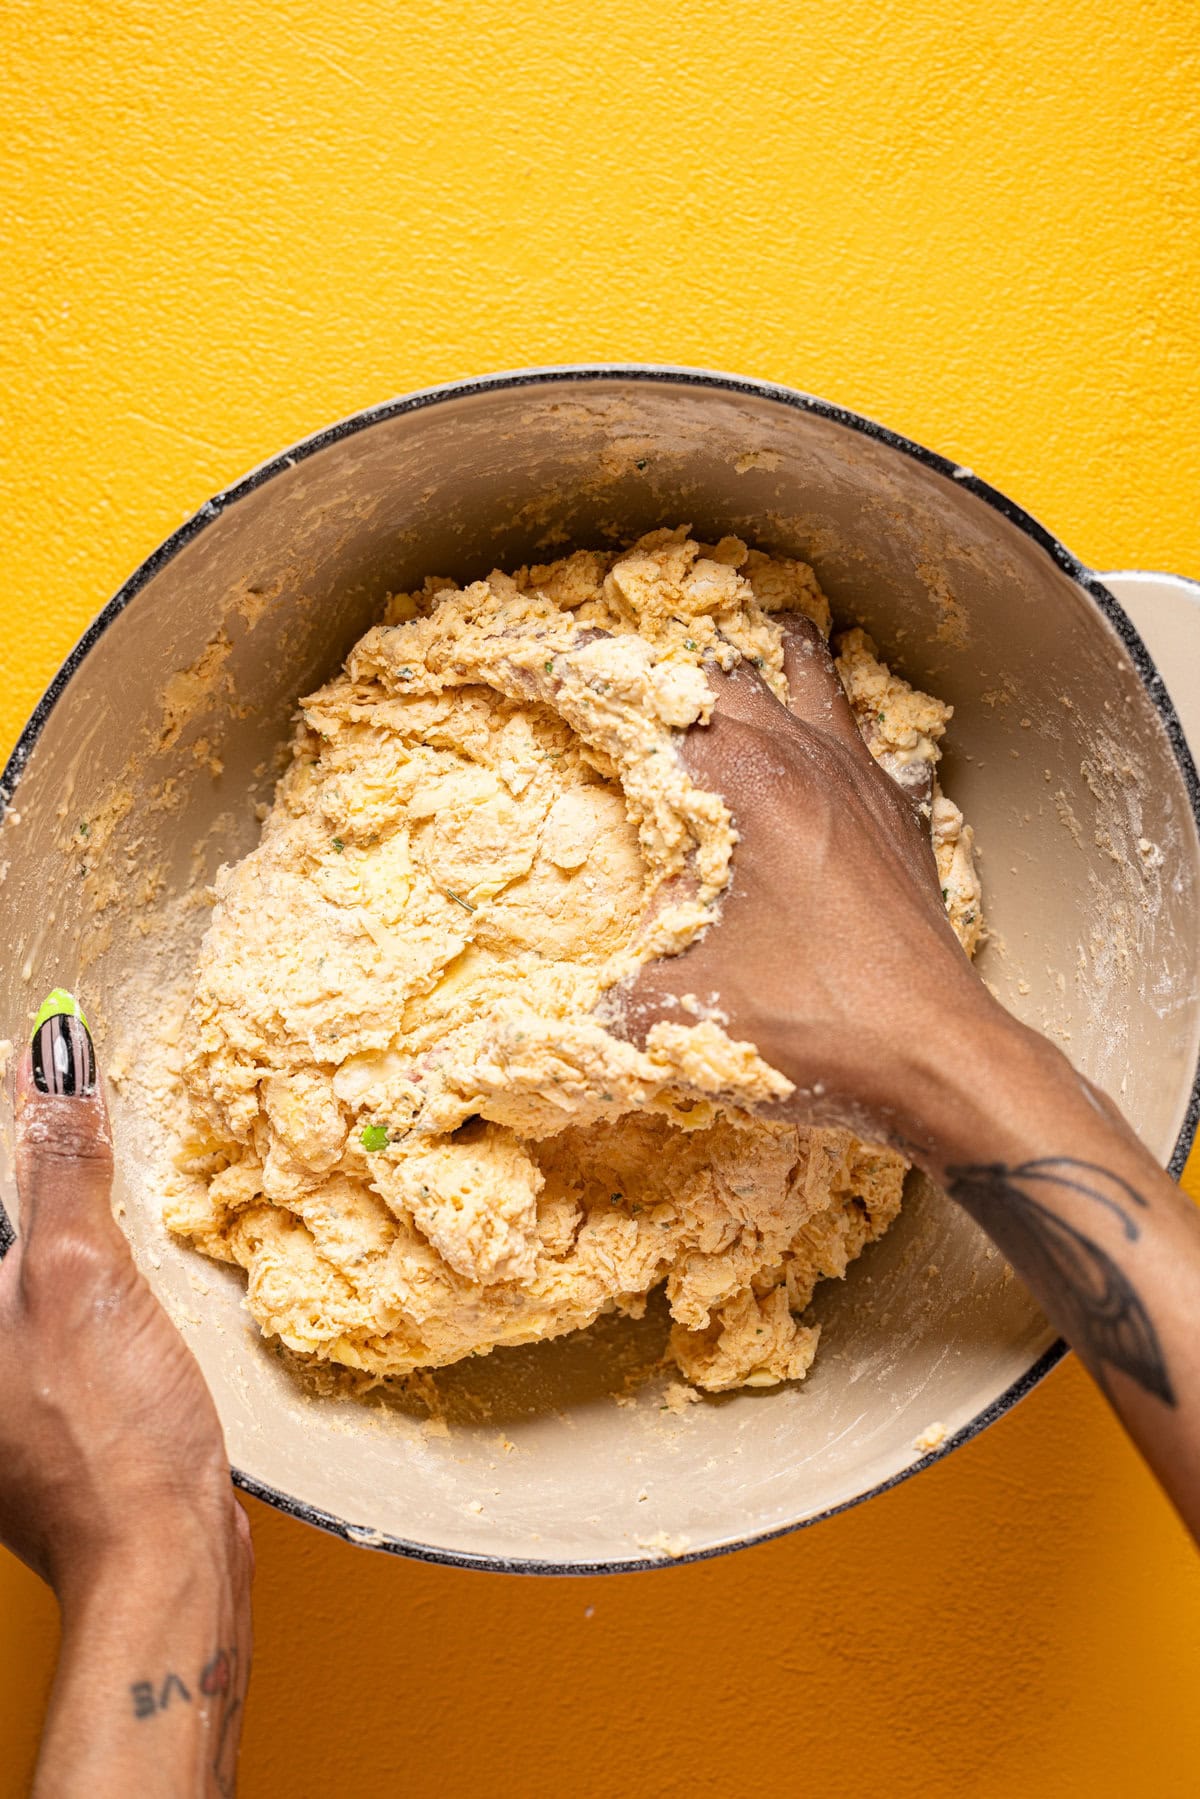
{"points": [[407, 1122]]}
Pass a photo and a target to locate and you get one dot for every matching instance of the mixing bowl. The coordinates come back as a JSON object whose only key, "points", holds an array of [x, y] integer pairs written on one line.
{"points": [[140, 772]]}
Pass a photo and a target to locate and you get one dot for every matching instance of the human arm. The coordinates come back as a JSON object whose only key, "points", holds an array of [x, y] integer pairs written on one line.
{"points": [[114, 1483], [833, 956]]}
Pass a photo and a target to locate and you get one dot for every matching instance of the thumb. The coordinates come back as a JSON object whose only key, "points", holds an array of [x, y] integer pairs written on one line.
{"points": [[64, 1160]]}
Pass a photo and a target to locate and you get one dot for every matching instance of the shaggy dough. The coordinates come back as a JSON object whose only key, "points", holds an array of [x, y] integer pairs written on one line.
{"points": [[407, 1121]]}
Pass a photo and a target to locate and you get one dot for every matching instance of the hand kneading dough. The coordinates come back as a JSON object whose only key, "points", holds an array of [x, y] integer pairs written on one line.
{"points": [[407, 1121]]}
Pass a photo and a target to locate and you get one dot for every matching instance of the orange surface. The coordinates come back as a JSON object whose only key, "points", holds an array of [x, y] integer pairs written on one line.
{"points": [[224, 225]]}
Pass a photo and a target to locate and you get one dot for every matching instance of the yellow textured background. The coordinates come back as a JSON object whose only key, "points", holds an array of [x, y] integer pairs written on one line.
{"points": [[224, 225]]}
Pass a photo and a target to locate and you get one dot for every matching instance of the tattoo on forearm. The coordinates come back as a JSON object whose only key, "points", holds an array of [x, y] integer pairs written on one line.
{"points": [[146, 1701], [215, 1681], [1102, 1314]]}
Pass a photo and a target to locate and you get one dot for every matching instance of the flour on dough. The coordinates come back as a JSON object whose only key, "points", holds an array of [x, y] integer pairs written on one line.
{"points": [[405, 1120]]}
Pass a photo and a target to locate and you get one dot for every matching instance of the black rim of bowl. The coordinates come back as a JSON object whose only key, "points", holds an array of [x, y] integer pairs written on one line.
{"points": [[679, 377]]}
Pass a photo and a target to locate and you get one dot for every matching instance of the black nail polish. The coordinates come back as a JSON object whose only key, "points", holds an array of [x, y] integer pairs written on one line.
{"points": [[64, 1061]]}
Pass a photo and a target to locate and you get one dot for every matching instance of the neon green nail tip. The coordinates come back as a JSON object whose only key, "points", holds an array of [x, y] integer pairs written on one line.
{"points": [[60, 1003]]}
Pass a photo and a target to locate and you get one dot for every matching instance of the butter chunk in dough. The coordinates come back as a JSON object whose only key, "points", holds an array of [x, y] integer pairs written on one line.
{"points": [[407, 1119]]}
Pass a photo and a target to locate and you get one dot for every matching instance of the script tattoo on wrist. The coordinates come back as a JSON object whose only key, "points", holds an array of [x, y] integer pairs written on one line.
{"points": [[215, 1681], [1103, 1316]]}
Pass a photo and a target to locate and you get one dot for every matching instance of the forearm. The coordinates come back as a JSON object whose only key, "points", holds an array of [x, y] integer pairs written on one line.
{"points": [[833, 956], [1101, 1236], [152, 1674]]}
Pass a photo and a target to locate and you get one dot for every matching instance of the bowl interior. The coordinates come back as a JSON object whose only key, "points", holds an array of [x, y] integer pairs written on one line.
{"points": [[166, 737]]}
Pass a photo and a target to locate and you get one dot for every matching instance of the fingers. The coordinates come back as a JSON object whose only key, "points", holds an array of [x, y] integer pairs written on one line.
{"points": [[727, 757], [63, 1141], [815, 692], [914, 779], [816, 695]]}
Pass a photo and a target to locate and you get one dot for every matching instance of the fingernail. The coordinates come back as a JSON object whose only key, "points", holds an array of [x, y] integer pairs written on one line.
{"points": [[64, 1060]]}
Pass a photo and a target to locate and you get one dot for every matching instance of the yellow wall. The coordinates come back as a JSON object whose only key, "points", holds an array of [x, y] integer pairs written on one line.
{"points": [[225, 224]]}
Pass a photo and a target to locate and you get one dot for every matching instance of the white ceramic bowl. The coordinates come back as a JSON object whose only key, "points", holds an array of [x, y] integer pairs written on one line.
{"points": [[1065, 753]]}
